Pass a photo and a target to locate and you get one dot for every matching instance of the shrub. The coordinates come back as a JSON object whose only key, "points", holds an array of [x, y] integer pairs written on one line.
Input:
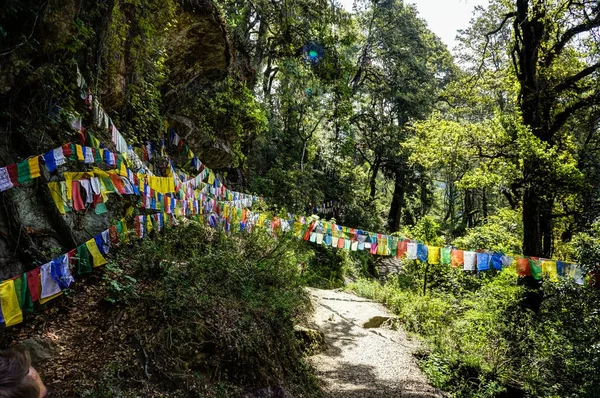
{"points": [[215, 308]]}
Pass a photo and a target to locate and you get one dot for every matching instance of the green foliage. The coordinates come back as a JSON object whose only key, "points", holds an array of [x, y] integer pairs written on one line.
{"points": [[503, 232], [328, 267], [481, 342], [216, 308]]}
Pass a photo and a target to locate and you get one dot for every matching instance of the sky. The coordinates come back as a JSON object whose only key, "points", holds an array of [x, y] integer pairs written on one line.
{"points": [[444, 17]]}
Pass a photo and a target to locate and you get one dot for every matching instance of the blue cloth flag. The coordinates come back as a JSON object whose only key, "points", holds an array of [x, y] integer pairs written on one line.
{"points": [[422, 252], [497, 261], [50, 161], [483, 261]]}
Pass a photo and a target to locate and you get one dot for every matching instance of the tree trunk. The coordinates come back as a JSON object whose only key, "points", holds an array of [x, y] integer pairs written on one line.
{"points": [[397, 203], [373, 181]]}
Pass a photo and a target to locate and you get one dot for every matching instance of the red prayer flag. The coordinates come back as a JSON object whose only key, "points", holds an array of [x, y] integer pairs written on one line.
{"points": [[401, 252], [458, 258], [77, 200], [33, 283], [523, 268], [13, 174]]}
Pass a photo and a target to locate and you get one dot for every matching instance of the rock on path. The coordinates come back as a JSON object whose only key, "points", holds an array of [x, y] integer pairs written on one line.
{"points": [[364, 363]]}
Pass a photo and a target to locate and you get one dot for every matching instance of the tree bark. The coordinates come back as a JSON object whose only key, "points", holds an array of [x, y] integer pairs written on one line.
{"points": [[373, 181], [397, 205]]}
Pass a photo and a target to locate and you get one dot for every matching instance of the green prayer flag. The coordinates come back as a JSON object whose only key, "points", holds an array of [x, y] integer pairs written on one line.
{"points": [[101, 209], [110, 187], [446, 255], [85, 264], [92, 141], [19, 290], [98, 156], [536, 269], [393, 246], [120, 228], [73, 156], [26, 301], [24, 175]]}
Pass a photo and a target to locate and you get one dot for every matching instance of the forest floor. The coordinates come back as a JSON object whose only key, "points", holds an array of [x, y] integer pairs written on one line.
{"points": [[365, 356]]}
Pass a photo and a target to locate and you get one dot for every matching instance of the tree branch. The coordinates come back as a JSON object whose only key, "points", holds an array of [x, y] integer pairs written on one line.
{"points": [[489, 34], [561, 118], [568, 82], [569, 34]]}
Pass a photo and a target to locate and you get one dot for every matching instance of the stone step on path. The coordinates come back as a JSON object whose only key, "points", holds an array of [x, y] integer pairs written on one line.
{"points": [[359, 362]]}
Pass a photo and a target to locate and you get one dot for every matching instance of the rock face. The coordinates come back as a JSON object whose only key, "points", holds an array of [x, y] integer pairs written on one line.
{"points": [[140, 58]]}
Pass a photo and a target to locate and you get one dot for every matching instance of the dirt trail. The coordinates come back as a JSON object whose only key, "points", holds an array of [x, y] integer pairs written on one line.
{"points": [[361, 362]]}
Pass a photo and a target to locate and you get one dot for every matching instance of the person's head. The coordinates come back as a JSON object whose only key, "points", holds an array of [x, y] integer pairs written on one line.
{"points": [[18, 379]]}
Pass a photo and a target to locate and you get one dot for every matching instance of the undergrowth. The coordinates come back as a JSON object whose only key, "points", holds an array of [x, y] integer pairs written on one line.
{"points": [[480, 340], [212, 315]]}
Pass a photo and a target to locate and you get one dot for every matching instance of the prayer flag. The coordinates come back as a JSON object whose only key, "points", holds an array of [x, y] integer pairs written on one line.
{"points": [[422, 252], [497, 261], [34, 167], [433, 255], [550, 270], [33, 283], [411, 250], [470, 259], [535, 267], [11, 310], [49, 286], [97, 258], [446, 255], [458, 258], [483, 261], [84, 262], [23, 173], [523, 266], [50, 161]]}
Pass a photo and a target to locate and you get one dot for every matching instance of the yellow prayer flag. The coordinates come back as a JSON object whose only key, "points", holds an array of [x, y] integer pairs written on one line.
{"points": [[101, 173], [34, 167], [11, 310], [549, 269], [381, 245], [97, 257], [79, 152], [56, 194], [123, 170], [149, 225], [433, 254]]}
